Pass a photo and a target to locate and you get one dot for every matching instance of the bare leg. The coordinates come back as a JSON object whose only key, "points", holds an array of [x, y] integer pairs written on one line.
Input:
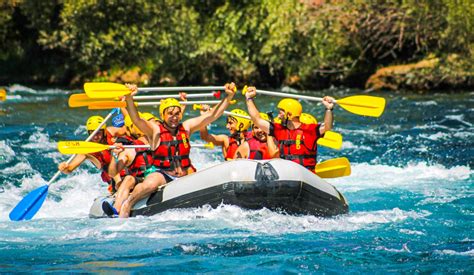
{"points": [[148, 186], [126, 186]]}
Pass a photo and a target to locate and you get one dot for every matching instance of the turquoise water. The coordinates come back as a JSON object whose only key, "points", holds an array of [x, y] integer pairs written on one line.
{"points": [[410, 195]]}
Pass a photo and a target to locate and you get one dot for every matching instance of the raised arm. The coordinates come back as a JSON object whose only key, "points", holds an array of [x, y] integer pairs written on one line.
{"points": [[133, 113], [194, 124], [253, 111], [328, 102], [272, 147]]}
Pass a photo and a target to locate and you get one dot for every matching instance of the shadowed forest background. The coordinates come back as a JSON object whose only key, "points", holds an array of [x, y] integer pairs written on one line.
{"points": [[405, 44]]}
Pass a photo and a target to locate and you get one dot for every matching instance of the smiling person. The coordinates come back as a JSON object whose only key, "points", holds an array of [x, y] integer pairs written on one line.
{"points": [[237, 127], [297, 141], [169, 141], [259, 146]]}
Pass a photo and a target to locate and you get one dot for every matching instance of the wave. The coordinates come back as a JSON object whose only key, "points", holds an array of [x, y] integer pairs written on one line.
{"points": [[6, 153], [20, 89], [413, 176]]}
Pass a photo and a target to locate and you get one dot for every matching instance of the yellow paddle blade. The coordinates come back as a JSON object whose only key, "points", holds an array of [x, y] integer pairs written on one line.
{"points": [[105, 89], [197, 106], [209, 145], [333, 168], [3, 95], [331, 139], [363, 105], [100, 105], [80, 147], [82, 100]]}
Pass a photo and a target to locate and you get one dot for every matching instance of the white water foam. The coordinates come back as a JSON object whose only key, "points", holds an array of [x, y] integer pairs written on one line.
{"points": [[40, 141], [6, 153], [352, 146], [269, 222], [469, 253], [426, 103], [15, 88], [414, 176], [76, 193], [19, 167]]}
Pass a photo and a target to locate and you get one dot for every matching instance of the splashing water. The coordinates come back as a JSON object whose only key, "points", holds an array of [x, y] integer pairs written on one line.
{"points": [[410, 196]]}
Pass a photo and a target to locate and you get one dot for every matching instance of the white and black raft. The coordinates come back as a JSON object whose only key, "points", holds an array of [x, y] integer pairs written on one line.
{"points": [[276, 184]]}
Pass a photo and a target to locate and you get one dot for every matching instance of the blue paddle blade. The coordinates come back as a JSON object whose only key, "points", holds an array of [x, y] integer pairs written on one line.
{"points": [[29, 205]]}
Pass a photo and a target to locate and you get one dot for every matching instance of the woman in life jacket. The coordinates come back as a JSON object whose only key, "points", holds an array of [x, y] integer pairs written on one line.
{"points": [[259, 145], [297, 141], [102, 160], [169, 141], [237, 127]]}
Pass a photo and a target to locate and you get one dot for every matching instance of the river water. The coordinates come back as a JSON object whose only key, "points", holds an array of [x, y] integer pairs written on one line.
{"points": [[410, 194]]}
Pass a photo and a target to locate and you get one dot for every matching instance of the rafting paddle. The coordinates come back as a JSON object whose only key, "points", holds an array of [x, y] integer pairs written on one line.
{"points": [[333, 168], [359, 104], [86, 147], [122, 104], [29, 205], [112, 90], [82, 100]]}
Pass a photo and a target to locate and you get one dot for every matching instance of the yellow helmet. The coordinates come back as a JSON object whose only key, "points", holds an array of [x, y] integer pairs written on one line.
{"points": [[93, 123], [168, 102], [265, 116], [148, 116], [308, 119], [244, 121], [290, 105], [132, 128]]}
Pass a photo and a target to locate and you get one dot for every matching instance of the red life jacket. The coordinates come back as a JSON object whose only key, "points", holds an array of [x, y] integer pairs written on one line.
{"points": [[143, 160], [173, 150], [104, 158], [298, 145], [233, 145], [258, 149]]}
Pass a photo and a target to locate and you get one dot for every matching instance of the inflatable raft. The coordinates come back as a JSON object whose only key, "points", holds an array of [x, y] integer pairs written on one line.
{"points": [[276, 184]]}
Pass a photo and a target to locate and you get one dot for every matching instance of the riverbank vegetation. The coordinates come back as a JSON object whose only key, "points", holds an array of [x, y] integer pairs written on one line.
{"points": [[405, 44]]}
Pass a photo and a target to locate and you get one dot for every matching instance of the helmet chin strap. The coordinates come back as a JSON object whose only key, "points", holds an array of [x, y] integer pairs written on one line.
{"points": [[285, 121]]}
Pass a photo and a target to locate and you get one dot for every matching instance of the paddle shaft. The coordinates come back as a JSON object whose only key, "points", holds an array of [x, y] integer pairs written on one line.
{"points": [[88, 139], [182, 89], [147, 97], [305, 97], [152, 103]]}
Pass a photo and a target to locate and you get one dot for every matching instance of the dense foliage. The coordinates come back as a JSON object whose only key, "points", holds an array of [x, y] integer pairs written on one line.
{"points": [[308, 44]]}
